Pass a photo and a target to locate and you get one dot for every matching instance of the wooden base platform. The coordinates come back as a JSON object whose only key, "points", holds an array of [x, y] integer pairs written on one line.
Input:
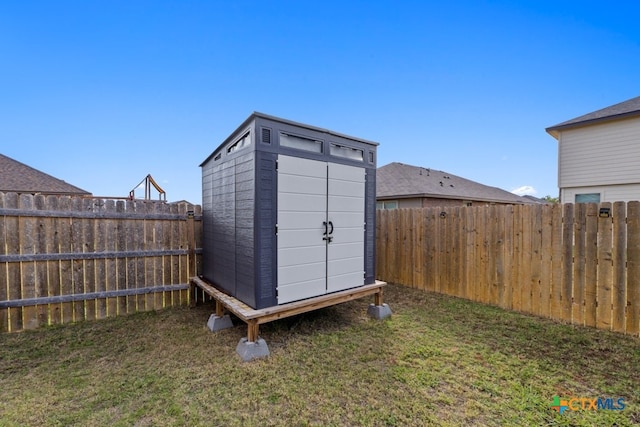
{"points": [[253, 318]]}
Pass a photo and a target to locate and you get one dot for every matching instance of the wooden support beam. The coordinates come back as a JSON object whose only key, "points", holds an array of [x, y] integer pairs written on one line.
{"points": [[252, 330], [219, 309], [377, 298]]}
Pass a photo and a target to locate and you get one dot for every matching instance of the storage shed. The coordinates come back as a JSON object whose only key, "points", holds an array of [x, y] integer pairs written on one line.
{"points": [[288, 212]]}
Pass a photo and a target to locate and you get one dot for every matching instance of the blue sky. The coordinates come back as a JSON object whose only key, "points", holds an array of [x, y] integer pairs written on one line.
{"points": [[101, 93]]}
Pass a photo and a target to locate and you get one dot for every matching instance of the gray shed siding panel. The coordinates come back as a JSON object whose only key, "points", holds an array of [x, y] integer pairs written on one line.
{"points": [[207, 218], [224, 225], [370, 231], [244, 216], [265, 229]]}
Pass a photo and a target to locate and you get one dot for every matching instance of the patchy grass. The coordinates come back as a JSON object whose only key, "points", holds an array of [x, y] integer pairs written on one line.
{"points": [[437, 361]]}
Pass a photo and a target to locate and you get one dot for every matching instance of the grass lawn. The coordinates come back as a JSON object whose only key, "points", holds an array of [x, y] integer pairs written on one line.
{"points": [[437, 361]]}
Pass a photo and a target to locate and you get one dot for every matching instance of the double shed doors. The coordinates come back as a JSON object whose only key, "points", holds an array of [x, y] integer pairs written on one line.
{"points": [[320, 228]]}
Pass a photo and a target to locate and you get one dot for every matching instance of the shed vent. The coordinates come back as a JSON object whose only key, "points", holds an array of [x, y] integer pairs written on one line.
{"points": [[266, 135]]}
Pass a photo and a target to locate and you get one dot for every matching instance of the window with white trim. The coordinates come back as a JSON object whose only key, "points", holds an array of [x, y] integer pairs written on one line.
{"points": [[588, 198]]}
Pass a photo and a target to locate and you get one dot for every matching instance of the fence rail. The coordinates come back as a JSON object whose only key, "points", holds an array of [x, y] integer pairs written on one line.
{"points": [[574, 263], [64, 259]]}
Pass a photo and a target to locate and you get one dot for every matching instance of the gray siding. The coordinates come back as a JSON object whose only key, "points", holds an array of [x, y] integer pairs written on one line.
{"points": [[266, 218], [222, 240], [370, 228], [207, 219], [244, 223]]}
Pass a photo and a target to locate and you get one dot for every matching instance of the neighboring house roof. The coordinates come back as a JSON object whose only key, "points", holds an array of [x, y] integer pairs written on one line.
{"points": [[400, 181], [629, 108], [535, 199], [19, 178]]}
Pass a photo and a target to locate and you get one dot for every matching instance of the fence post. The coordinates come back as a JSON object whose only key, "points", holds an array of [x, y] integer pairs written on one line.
{"points": [[191, 238]]}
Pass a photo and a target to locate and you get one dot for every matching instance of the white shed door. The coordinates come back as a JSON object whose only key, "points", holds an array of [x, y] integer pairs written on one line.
{"points": [[302, 211], [345, 214], [320, 228]]}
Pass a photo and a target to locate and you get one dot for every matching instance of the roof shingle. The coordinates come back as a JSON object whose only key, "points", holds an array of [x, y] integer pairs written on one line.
{"points": [[397, 180], [623, 109], [19, 178]]}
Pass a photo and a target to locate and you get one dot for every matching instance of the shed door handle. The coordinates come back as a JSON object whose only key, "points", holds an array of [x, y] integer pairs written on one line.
{"points": [[331, 225]]}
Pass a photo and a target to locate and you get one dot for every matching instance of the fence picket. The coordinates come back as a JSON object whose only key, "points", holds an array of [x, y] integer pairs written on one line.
{"points": [[42, 224], [446, 249], [429, 249], [619, 285], [78, 264], [406, 234], [175, 259], [516, 291], [110, 266], [580, 224], [509, 261], [458, 250], [102, 281], [149, 262], [27, 240], [556, 261], [526, 274], [4, 283], [536, 259], [418, 267], [489, 259], [14, 278], [156, 274], [567, 262], [591, 265], [89, 269], [438, 244], [64, 245], [52, 234], [632, 324], [605, 269], [546, 260], [467, 244], [165, 268]]}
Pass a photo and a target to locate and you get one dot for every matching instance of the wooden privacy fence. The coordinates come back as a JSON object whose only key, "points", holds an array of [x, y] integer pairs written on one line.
{"points": [[575, 263], [64, 259]]}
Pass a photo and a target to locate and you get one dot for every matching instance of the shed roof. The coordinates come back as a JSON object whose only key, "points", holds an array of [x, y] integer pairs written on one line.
{"points": [[400, 181], [258, 115], [20, 178], [629, 108]]}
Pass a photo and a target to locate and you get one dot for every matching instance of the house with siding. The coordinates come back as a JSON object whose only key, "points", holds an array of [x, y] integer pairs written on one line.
{"points": [[16, 177], [404, 186], [599, 154]]}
